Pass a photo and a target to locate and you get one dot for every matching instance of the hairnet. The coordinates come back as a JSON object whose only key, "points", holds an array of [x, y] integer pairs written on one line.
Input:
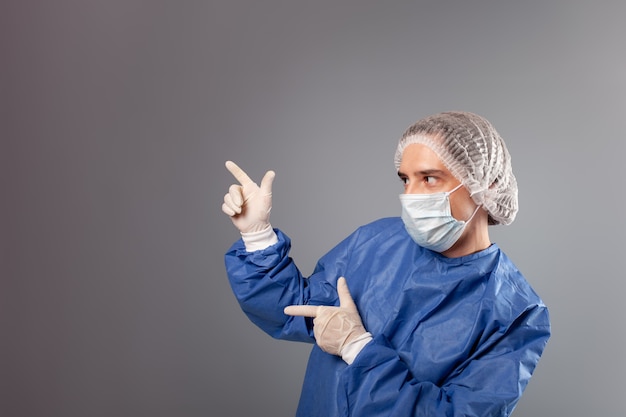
{"points": [[472, 150]]}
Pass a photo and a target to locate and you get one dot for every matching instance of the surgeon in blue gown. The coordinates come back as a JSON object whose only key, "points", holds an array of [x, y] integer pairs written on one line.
{"points": [[416, 315]]}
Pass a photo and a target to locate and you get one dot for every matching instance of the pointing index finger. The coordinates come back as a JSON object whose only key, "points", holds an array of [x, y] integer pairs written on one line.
{"points": [[345, 298], [305, 311], [238, 173]]}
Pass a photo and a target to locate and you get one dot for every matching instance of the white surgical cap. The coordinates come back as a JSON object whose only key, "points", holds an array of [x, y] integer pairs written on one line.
{"points": [[472, 150]]}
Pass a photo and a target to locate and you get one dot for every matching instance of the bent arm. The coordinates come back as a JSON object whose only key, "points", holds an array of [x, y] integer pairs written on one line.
{"points": [[266, 281], [490, 383]]}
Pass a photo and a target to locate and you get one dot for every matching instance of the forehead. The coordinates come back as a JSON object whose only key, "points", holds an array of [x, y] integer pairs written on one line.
{"points": [[418, 157]]}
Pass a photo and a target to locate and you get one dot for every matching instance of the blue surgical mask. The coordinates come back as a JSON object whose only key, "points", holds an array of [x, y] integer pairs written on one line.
{"points": [[428, 220]]}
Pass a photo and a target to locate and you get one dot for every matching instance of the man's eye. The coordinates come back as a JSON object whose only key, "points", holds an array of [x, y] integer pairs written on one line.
{"points": [[404, 180], [430, 180]]}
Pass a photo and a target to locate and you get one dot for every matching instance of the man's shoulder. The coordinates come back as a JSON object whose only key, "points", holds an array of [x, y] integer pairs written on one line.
{"points": [[385, 227], [382, 224]]}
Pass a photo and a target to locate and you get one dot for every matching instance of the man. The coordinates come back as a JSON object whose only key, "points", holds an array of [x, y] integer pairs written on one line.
{"points": [[437, 321]]}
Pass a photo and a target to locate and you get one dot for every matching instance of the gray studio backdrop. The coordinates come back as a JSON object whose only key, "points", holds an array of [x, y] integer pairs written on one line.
{"points": [[117, 117]]}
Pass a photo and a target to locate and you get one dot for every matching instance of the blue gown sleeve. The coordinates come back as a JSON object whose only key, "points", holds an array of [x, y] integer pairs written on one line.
{"points": [[266, 281], [489, 383]]}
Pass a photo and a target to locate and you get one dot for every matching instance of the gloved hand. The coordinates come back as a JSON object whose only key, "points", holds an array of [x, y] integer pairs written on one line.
{"points": [[247, 204], [335, 328]]}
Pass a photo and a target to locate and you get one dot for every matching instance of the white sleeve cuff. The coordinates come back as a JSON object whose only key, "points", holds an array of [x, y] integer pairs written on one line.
{"points": [[259, 240], [352, 349]]}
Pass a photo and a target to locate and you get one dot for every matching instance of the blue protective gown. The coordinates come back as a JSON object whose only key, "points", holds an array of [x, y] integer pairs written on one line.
{"points": [[452, 336]]}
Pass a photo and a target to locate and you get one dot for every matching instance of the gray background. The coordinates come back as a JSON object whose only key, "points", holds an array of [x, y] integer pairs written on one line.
{"points": [[117, 117]]}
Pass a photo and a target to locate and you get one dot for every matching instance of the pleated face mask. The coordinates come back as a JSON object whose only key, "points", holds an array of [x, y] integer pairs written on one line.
{"points": [[428, 220]]}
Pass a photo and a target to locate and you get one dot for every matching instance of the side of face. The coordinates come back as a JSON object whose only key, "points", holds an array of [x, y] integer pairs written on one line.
{"points": [[422, 172]]}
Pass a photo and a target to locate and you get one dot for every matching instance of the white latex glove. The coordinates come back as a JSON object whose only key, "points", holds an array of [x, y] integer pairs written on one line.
{"points": [[336, 329], [247, 204]]}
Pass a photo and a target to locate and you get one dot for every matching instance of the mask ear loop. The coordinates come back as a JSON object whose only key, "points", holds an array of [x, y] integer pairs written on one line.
{"points": [[454, 189], [473, 214], [475, 210]]}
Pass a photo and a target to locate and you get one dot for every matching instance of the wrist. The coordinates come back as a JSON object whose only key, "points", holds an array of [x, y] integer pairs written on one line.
{"points": [[352, 349], [255, 241]]}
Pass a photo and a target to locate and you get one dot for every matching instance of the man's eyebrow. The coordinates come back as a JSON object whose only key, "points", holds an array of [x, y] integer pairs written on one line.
{"points": [[425, 172]]}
